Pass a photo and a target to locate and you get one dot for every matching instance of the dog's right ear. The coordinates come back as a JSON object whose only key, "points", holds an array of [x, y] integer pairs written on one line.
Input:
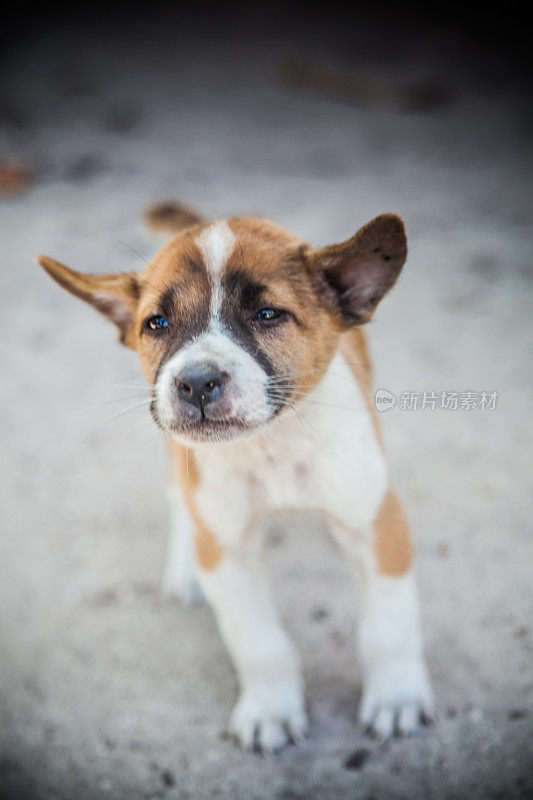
{"points": [[114, 296], [355, 275], [172, 217]]}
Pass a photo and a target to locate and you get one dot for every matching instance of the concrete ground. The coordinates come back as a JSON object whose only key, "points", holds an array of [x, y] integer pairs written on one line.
{"points": [[106, 689]]}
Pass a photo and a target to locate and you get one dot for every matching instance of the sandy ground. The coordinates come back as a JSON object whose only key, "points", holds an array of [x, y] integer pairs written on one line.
{"points": [[106, 689]]}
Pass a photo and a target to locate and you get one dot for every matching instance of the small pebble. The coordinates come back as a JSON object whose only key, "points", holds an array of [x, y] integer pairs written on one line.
{"points": [[168, 778], [517, 713], [357, 759]]}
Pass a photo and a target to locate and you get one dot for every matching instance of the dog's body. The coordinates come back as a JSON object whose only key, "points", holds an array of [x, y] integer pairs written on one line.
{"points": [[260, 379]]}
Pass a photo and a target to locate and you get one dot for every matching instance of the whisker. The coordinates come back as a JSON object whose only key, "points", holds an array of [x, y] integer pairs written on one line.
{"points": [[125, 399], [281, 395], [300, 417], [133, 250], [127, 385], [136, 406]]}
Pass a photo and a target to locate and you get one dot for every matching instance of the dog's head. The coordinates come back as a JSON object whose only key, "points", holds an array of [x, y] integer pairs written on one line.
{"points": [[234, 321]]}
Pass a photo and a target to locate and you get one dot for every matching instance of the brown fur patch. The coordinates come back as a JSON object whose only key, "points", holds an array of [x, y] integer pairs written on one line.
{"points": [[300, 350], [392, 543], [175, 277], [208, 551]]}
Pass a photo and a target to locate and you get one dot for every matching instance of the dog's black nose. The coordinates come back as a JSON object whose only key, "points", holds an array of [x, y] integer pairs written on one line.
{"points": [[200, 384]]}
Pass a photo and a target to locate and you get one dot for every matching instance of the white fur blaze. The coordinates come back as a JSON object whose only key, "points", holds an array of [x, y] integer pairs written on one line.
{"points": [[216, 243]]}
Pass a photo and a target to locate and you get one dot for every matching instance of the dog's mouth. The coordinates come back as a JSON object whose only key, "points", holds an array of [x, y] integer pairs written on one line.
{"points": [[209, 429], [215, 430]]}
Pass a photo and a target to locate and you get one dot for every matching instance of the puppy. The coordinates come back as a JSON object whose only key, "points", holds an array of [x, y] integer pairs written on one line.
{"points": [[252, 347]]}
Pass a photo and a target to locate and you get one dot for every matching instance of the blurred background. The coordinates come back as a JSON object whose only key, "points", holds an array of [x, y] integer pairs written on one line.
{"points": [[319, 122]]}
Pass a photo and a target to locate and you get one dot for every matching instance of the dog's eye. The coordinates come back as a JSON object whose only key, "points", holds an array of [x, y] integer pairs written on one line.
{"points": [[268, 315], [156, 323]]}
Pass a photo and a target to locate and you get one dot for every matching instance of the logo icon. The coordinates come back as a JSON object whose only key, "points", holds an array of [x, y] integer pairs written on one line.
{"points": [[384, 400]]}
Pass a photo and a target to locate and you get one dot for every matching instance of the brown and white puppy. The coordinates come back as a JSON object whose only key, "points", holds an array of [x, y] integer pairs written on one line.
{"points": [[251, 345]]}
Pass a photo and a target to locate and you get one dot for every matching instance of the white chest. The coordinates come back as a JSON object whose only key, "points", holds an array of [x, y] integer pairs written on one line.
{"points": [[321, 455]]}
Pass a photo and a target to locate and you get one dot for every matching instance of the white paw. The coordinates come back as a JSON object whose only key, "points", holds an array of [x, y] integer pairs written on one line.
{"points": [[184, 588], [267, 718], [397, 699]]}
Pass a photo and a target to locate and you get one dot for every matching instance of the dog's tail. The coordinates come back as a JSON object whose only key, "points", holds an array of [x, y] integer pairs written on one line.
{"points": [[172, 217]]}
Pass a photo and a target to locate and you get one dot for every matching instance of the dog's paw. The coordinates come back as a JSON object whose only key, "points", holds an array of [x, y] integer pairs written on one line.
{"points": [[185, 589], [397, 699], [266, 720]]}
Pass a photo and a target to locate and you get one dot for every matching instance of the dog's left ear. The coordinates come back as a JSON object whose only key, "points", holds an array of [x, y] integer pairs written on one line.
{"points": [[355, 275], [114, 296]]}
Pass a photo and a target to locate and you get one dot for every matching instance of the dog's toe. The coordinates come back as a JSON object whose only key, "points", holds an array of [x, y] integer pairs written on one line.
{"points": [[408, 721], [267, 728], [383, 723], [271, 736], [400, 720], [391, 707]]}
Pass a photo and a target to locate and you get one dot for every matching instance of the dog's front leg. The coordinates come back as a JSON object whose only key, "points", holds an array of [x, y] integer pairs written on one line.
{"points": [[396, 691], [270, 710], [180, 578], [219, 509]]}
